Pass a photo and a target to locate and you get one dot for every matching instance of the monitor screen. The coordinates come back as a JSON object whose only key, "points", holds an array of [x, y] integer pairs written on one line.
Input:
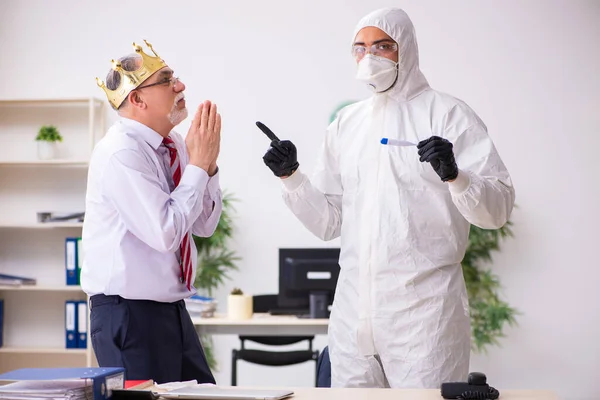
{"points": [[302, 271]]}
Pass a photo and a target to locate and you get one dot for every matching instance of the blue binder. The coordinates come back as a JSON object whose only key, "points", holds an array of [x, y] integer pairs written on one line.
{"points": [[104, 379], [1, 322], [82, 322], [79, 259], [71, 324], [71, 260]]}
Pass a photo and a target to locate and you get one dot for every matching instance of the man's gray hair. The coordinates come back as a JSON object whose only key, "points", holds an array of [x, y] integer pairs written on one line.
{"points": [[130, 62]]}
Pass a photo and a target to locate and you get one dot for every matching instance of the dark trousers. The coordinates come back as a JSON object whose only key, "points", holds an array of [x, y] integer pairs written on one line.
{"points": [[151, 340], [324, 369]]}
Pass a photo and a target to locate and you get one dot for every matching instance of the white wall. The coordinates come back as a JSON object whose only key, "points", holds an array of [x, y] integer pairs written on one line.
{"points": [[528, 68]]}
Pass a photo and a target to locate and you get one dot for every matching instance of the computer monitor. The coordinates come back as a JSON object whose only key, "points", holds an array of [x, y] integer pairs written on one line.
{"points": [[306, 271]]}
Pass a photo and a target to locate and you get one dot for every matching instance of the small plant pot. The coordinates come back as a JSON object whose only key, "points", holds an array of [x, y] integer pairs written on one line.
{"points": [[47, 150], [239, 307]]}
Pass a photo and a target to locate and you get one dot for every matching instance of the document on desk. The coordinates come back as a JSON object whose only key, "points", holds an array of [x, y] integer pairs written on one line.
{"points": [[213, 392], [67, 389]]}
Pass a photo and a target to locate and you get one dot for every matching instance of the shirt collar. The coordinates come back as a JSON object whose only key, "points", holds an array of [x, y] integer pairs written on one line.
{"points": [[149, 135]]}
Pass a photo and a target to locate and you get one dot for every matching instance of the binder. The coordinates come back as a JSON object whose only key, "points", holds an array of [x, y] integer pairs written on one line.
{"points": [[71, 324], [1, 322], [79, 260], [104, 380], [71, 260], [82, 322]]}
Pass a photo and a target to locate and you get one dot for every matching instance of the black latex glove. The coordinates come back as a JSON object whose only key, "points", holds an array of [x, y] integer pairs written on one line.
{"points": [[438, 152], [282, 157]]}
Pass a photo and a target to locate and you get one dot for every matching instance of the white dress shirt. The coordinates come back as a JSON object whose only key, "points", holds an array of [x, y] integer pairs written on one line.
{"points": [[135, 219]]}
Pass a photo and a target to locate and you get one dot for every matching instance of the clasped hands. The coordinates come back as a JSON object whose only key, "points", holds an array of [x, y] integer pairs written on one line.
{"points": [[203, 140]]}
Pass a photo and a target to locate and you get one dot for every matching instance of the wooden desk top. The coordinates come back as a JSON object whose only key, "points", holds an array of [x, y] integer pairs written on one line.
{"points": [[261, 320], [405, 394]]}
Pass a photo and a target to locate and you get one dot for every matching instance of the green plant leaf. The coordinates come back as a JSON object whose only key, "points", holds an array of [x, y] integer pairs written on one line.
{"points": [[209, 352], [49, 133], [215, 262], [489, 314]]}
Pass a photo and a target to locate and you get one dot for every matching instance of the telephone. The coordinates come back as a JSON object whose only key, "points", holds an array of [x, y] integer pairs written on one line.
{"points": [[476, 388]]}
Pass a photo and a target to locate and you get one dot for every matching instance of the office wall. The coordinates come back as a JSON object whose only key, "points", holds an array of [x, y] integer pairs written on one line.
{"points": [[528, 68]]}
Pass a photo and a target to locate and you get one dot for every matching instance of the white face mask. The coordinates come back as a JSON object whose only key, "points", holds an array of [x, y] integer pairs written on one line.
{"points": [[379, 73], [176, 116]]}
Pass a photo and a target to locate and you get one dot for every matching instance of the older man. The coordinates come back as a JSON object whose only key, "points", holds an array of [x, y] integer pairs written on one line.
{"points": [[148, 192], [400, 316]]}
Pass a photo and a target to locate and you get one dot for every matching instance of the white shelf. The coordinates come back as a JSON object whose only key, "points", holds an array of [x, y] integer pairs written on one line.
{"points": [[42, 350], [41, 288], [45, 225], [83, 163], [50, 102]]}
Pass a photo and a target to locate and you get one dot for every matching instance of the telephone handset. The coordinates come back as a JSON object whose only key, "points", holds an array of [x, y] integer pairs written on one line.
{"points": [[476, 388]]}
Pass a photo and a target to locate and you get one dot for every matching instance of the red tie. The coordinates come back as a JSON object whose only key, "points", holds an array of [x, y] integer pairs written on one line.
{"points": [[185, 262]]}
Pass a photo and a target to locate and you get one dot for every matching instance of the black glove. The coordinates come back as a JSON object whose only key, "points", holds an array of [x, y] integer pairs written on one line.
{"points": [[282, 158], [438, 152]]}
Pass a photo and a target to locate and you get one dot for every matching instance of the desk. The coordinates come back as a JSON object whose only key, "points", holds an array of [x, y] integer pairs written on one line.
{"points": [[406, 394], [261, 325]]}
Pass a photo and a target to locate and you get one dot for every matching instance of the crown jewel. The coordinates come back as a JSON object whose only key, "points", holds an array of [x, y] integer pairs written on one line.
{"points": [[132, 79]]}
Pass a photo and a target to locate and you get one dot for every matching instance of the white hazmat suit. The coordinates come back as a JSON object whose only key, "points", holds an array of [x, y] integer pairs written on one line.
{"points": [[400, 315]]}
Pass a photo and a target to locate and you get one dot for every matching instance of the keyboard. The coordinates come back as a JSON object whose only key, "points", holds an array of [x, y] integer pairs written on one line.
{"points": [[289, 311]]}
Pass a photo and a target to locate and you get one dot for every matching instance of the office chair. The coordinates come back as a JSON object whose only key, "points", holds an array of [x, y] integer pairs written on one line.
{"points": [[262, 304]]}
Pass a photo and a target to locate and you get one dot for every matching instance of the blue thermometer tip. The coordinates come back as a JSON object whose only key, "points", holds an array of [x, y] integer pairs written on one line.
{"points": [[384, 140]]}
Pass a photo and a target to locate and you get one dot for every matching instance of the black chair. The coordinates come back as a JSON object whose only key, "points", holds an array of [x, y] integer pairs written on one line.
{"points": [[262, 304]]}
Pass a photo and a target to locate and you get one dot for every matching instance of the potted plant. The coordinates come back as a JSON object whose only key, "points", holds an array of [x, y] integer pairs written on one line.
{"points": [[47, 139], [489, 313], [215, 261], [239, 305]]}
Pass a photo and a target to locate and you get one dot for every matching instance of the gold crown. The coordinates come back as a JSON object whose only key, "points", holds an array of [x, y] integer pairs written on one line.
{"points": [[132, 79]]}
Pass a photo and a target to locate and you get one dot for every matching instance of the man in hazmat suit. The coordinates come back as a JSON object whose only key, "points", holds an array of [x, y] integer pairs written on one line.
{"points": [[400, 316]]}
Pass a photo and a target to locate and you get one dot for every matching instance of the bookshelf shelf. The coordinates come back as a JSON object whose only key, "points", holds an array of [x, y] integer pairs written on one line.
{"points": [[46, 225], [42, 350], [56, 162], [82, 102], [41, 288]]}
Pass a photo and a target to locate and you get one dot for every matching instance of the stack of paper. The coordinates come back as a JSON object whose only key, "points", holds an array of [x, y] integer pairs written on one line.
{"points": [[62, 383], [12, 280], [68, 389]]}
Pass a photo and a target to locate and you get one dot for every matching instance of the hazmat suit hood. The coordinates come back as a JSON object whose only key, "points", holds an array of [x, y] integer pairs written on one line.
{"points": [[397, 25]]}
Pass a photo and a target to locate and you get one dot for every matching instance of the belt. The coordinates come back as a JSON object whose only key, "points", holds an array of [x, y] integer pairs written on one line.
{"points": [[100, 299]]}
